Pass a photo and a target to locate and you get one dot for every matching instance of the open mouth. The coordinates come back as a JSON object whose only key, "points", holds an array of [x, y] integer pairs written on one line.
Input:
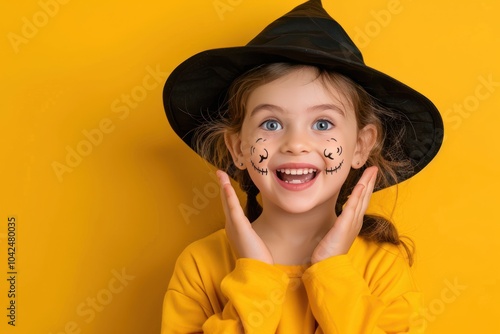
{"points": [[296, 175]]}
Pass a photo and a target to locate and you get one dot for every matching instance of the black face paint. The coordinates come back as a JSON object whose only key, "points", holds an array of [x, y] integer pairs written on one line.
{"points": [[262, 171], [329, 155], [334, 169], [263, 156]]}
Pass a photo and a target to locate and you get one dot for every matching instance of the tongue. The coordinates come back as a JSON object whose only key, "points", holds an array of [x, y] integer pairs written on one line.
{"points": [[289, 178]]}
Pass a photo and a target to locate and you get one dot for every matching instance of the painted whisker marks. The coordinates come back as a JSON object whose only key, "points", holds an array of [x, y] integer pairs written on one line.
{"points": [[260, 170], [329, 155], [262, 158], [334, 169]]}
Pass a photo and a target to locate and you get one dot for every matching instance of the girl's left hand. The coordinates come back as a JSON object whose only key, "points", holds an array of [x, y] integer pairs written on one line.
{"points": [[346, 228]]}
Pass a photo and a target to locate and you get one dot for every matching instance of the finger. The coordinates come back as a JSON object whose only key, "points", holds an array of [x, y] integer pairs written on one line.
{"points": [[368, 175], [223, 177], [371, 173], [223, 181], [352, 205], [232, 208], [359, 199]]}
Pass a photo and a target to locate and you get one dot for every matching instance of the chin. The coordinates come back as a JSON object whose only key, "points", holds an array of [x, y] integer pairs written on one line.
{"points": [[300, 206]]}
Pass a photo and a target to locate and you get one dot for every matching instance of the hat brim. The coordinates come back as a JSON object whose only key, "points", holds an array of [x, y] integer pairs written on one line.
{"points": [[197, 89]]}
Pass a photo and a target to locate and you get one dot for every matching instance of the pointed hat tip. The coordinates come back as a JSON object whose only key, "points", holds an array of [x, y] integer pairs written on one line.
{"points": [[310, 8], [316, 2]]}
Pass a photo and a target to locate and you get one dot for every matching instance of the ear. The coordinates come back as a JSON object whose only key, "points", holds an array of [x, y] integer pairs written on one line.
{"points": [[233, 144], [366, 140]]}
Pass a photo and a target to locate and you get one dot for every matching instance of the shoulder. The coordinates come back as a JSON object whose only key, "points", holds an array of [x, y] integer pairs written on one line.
{"points": [[209, 254], [199, 270], [373, 251], [212, 245], [381, 262]]}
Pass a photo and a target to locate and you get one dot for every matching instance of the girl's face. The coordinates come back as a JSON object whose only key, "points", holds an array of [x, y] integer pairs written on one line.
{"points": [[298, 141]]}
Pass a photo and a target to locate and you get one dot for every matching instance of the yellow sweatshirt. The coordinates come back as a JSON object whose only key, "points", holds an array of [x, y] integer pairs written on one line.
{"points": [[369, 290]]}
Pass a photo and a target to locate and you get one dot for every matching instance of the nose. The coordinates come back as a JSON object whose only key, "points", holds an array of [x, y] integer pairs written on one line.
{"points": [[296, 142]]}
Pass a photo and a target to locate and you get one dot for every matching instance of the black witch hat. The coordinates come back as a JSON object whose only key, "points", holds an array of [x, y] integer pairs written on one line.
{"points": [[197, 88]]}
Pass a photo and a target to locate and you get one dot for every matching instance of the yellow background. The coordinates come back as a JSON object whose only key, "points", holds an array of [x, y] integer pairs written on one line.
{"points": [[97, 239]]}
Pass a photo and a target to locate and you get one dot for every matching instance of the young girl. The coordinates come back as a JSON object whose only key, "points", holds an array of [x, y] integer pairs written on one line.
{"points": [[299, 118]]}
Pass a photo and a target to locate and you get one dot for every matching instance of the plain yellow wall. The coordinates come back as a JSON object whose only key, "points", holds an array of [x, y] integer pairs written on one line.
{"points": [[105, 196]]}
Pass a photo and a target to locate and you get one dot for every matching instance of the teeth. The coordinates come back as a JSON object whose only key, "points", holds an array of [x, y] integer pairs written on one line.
{"points": [[300, 171]]}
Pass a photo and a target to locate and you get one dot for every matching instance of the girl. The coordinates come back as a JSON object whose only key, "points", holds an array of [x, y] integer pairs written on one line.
{"points": [[299, 118]]}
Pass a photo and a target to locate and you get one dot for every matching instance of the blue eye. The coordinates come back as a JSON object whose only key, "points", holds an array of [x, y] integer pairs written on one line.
{"points": [[322, 125], [271, 125]]}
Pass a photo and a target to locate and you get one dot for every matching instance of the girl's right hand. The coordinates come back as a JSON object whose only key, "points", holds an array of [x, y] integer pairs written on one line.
{"points": [[242, 237]]}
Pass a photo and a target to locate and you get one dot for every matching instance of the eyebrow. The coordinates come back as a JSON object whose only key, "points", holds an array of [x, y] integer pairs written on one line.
{"points": [[328, 106], [319, 107], [265, 106]]}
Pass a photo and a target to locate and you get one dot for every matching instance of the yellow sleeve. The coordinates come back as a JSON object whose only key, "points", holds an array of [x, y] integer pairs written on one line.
{"points": [[253, 292], [346, 300]]}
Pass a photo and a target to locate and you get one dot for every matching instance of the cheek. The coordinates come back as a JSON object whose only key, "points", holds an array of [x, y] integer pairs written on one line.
{"points": [[334, 156], [259, 155]]}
